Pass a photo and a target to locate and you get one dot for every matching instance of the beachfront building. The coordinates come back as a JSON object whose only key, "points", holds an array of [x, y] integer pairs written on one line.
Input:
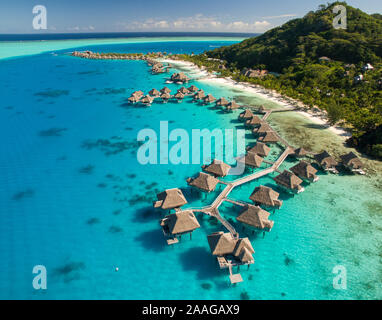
{"points": [[326, 161], [305, 171], [251, 160], [218, 168], [170, 199], [177, 224], [246, 115], [222, 102], [352, 162], [289, 181], [255, 218], [204, 182], [260, 149], [269, 137], [266, 196]]}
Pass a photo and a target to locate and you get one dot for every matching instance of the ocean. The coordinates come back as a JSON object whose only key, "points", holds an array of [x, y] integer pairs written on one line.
{"points": [[74, 198]]}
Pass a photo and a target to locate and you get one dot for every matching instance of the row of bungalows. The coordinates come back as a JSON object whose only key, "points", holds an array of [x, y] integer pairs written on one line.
{"points": [[350, 161]]}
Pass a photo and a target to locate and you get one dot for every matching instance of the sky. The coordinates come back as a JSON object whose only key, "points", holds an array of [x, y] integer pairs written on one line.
{"points": [[72, 16]]}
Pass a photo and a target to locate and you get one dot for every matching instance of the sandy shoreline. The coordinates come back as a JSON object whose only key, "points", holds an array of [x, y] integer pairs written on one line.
{"points": [[317, 116]]}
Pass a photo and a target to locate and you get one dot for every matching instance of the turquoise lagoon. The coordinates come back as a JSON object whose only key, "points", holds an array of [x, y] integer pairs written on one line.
{"points": [[74, 198]]}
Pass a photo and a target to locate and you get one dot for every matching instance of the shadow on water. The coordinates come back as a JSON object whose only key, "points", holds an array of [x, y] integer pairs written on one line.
{"points": [[152, 240], [200, 260], [148, 214]]}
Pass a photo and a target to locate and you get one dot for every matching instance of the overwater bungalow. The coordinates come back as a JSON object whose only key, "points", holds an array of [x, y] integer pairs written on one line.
{"points": [[209, 98], [269, 137], [154, 93], [225, 245], [165, 90], [266, 196], [247, 114], [157, 68], [204, 182], [134, 98], [183, 90], [199, 95], [255, 121], [352, 162], [251, 160], [138, 93], [193, 89], [170, 199], [165, 97], [263, 128], [305, 171], [147, 100], [179, 96], [179, 223], [231, 106], [218, 168], [326, 161], [255, 217], [260, 148], [289, 181], [299, 153], [179, 77], [222, 102], [261, 109]]}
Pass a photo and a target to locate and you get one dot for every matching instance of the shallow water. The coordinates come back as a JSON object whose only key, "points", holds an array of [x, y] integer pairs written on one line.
{"points": [[74, 198]]}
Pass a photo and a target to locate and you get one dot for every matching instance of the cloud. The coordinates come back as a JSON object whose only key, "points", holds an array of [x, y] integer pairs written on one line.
{"points": [[198, 22], [291, 15]]}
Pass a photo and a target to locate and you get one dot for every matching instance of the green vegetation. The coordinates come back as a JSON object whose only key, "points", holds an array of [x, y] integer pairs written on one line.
{"points": [[293, 51]]}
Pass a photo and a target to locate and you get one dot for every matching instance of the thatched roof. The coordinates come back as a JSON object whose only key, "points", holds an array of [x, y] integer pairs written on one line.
{"points": [[262, 109], [209, 98], [199, 95], [232, 105], [138, 93], [221, 102], [179, 95], [154, 92], [246, 114], [204, 182], [147, 99], [179, 77], [325, 160], [254, 121], [183, 90], [165, 96], [266, 196], [170, 199], [260, 148], [165, 90], [193, 88], [264, 127], [256, 217], [218, 168], [269, 136], [180, 222], [251, 160], [352, 161], [221, 243], [300, 152], [245, 255], [288, 180], [304, 170], [134, 98]]}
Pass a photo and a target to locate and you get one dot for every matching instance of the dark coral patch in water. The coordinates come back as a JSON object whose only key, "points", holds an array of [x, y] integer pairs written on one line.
{"points": [[115, 229], [111, 147], [117, 212], [206, 286], [69, 271], [244, 295], [52, 132], [52, 93], [288, 260], [92, 221], [23, 194], [112, 91], [102, 185], [87, 169]]}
